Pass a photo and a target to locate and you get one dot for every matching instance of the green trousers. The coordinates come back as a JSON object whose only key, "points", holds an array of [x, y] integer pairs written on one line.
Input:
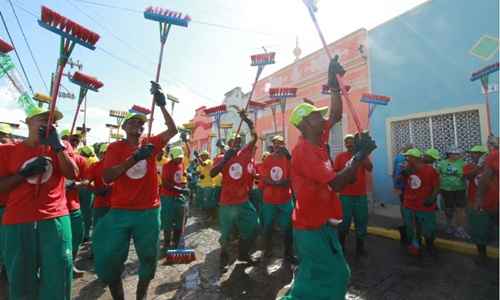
{"points": [[323, 273], [111, 242], [426, 220], [243, 216], [256, 198], [86, 203], [172, 212], [216, 194], [281, 214], [1, 237], [76, 230], [38, 259], [98, 214], [481, 226], [354, 207]]}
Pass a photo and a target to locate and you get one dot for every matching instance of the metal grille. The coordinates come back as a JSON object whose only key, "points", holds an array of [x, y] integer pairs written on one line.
{"points": [[462, 129], [400, 135]]}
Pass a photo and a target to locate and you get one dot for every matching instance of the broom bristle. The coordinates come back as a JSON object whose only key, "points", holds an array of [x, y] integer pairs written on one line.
{"points": [[283, 92], [5, 47], [87, 80], [485, 71], [166, 16], [140, 109], [263, 59], [180, 256], [375, 99], [54, 20], [215, 109]]}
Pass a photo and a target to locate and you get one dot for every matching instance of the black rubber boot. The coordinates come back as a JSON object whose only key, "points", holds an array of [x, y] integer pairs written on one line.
{"points": [[482, 257], [177, 237], [288, 245], [142, 289], [244, 252], [268, 245], [342, 237], [116, 290], [360, 247], [431, 249], [402, 235]]}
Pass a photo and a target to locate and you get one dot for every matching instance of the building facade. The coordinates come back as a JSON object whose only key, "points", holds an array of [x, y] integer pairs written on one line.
{"points": [[422, 60]]}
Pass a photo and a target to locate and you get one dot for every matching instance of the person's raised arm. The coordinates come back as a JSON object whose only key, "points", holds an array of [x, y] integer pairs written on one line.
{"points": [[67, 166], [160, 100], [335, 69]]}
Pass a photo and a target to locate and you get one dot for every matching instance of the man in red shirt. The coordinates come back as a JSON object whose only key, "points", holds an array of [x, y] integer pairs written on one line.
{"points": [[173, 202], [421, 189], [36, 226], [322, 272], [102, 191], [487, 194], [353, 197], [130, 165], [277, 200], [234, 207], [5, 132]]}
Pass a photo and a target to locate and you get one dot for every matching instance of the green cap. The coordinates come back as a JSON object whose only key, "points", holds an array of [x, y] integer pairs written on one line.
{"points": [[349, 136], [103, 148], [5, 128], [87, 150], [67, 133], [432, 152], [479, 148], [204, 152], [34, 111], [303, 110], [134, 115], [176, 152], [278, 138], [413, 152], [233, 136]]}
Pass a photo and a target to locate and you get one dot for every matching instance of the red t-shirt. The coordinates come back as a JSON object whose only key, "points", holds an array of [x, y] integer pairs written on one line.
{"points": [[94, 174], [419, 186], [276, 168], [72, 195], [311, 171], [358, 188], [22, 205], [490, 202], [136, 189], [172, 173], [3, 196], [235, 177], [472, 183]]}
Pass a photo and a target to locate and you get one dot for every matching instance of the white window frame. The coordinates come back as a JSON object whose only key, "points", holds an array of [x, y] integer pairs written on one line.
{"points": [[481, 108]]}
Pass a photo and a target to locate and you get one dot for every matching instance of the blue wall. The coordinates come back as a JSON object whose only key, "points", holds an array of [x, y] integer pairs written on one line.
{"points": [[421, 59]]}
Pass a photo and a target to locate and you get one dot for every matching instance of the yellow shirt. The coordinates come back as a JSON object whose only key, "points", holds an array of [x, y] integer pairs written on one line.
{"points": [[205, 173]]}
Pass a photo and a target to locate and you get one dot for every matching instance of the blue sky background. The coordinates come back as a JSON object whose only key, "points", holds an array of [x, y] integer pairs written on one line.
{"points": [[201, 62]]}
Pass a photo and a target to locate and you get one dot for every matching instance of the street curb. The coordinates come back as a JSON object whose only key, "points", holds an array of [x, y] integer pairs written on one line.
{"points": [[455, 246]]}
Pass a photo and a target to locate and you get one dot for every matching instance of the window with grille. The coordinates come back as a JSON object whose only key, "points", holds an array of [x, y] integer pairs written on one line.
{"points": [[462, 129], [336, 140]]}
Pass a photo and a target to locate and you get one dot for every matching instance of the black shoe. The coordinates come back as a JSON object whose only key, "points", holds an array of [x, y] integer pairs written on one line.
{"points": [[177, 238], [360, 247], [402, 234], [482, 258], [116, 290], [142, 289], [244, 252]]}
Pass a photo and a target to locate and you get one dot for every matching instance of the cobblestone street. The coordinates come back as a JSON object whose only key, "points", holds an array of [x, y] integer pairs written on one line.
{"points": [[386, 273]]}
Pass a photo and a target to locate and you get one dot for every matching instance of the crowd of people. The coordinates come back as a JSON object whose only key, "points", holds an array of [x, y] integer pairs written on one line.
{"points": [[56, 195]]}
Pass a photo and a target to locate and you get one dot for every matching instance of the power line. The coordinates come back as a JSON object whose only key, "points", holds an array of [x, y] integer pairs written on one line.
{"points": [[29, 47], [15, 50], [222, 26]]}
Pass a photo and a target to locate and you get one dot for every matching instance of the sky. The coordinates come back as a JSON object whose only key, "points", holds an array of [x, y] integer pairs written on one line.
{"points": [[201, 63]]}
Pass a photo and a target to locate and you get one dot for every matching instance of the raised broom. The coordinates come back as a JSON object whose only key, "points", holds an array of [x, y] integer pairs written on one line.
{"points": [[166, 19], [86, 83], [282, 94]]}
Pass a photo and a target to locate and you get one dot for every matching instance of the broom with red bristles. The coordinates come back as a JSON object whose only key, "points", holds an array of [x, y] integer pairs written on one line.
{"points": [[311, 7], [260, 61], [7, 65], [282, 94], [216, 112], [166, 19], [71, 33], [86, 83]]}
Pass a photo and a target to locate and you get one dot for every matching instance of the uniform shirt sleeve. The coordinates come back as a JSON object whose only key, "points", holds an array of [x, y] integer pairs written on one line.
{"points": [[4, 151], [158, 144], [112, 157], [338, 164]]}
